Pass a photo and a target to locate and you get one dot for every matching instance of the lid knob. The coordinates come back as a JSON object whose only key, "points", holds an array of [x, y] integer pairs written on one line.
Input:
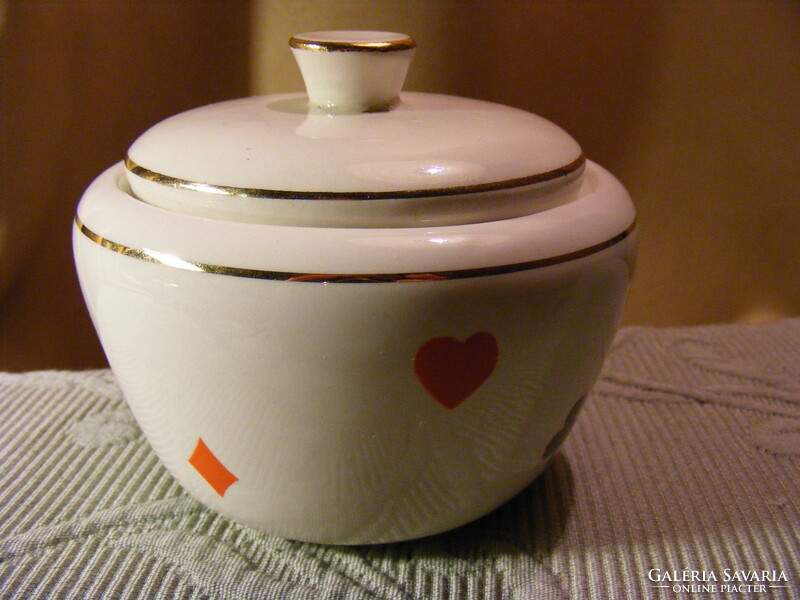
{"points": [[353, 71]]}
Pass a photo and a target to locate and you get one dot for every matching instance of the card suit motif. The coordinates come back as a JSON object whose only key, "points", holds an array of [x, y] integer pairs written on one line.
{"points": [[451, 371], [211, 468]]}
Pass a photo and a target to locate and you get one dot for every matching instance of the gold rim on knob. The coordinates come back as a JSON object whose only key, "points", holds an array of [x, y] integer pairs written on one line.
{"points": [[391, 45]]}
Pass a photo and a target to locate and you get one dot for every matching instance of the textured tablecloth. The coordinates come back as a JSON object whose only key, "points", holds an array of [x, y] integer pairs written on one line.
{"points": [[680, 479]]}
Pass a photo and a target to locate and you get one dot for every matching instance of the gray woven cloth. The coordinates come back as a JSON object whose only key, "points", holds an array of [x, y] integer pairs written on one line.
{"points": [[679, 480]]}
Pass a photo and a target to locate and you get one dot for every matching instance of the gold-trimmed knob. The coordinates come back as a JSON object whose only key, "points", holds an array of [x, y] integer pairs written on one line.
{"points": [[353, 71]]}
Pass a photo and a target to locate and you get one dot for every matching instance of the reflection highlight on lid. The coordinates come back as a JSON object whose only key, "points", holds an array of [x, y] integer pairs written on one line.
{"points": [[423, 173]]}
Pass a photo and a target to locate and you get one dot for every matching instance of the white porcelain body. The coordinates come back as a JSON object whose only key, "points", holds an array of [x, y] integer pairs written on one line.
{"points": [[307, 391]]}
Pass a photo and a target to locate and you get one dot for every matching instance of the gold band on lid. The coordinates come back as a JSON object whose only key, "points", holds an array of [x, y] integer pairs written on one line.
{"points": [[227, 190], [328, 45]]}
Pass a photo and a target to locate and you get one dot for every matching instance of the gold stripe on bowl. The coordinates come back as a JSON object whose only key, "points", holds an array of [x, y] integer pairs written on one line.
{"points": [[157, 258]]}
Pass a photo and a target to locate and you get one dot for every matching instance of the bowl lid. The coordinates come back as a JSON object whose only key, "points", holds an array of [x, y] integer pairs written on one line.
{"points": [[354, 150]]}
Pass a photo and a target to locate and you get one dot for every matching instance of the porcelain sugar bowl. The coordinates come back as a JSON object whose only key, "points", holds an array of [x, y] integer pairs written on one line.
{"points": [[356, 315]]}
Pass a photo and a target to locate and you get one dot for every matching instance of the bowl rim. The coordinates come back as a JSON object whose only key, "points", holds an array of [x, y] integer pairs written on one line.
{"points": [[110, 216]]}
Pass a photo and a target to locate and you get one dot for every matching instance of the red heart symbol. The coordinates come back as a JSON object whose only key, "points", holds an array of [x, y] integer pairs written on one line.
{"points": [[451, 370]]}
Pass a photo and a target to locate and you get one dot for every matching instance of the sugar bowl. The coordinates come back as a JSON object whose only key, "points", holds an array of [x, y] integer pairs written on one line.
{"points": [[355, 315]]}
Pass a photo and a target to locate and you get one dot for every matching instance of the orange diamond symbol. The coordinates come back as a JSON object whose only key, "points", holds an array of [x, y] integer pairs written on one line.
{"points": [[211, 469]]}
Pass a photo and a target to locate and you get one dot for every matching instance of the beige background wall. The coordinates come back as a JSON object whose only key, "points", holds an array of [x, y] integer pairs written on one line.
{"points": [[693, 105], [79, 81]]}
